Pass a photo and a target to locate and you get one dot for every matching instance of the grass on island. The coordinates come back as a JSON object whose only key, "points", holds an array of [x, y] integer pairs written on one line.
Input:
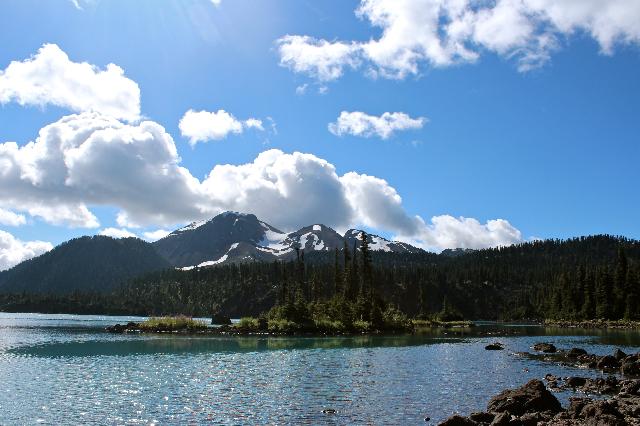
{"points": [[178, 323]]}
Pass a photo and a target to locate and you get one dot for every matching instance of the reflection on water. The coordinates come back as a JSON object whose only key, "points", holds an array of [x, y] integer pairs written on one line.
{"points": [[145, 345], [67, 370]]}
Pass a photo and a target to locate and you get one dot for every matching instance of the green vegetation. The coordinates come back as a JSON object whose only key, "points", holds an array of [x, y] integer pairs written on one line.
{"points": [[179, 323], [348, 291]]}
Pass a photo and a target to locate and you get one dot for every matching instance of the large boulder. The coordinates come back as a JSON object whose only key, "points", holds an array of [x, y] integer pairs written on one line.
{"points": [[630, 367], [576, 352], [619, 355], [530, 398], [606, 362]]}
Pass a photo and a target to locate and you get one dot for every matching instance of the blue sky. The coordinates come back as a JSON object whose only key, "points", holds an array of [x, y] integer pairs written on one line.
{"points": [[553, 150]]}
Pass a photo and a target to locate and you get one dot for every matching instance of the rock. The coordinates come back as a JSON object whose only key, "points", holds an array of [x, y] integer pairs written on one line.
{"points": [[603, 411], [501, 419], [116, 328], [576, 352], [575, 382], [630, 387], [547, 348], [630, 368], [532, 397], [458, 421], [619, 355], [607, 361], [482, 417], [494, 346]]}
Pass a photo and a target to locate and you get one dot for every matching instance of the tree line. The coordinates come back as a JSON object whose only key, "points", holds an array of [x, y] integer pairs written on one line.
{"points": [[579, 278]]}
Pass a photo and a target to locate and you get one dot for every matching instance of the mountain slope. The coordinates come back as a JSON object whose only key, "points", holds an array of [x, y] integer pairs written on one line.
{"points": [[235, 237], [96, 263]]}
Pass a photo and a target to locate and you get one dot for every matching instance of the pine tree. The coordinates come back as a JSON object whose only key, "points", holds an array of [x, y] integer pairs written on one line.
{"points": [[367, 272], [589, 305], [620, 285], [604, 296], [337, 274], [632, 310]]}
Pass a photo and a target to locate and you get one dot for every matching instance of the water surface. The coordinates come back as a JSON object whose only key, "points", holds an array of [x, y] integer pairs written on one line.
{"points": [[64, 369]]}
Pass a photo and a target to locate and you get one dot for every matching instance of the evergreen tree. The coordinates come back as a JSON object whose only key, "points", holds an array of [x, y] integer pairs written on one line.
{"points": [[604, 296]]}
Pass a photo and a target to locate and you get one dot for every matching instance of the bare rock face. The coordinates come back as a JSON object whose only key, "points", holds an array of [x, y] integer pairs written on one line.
{"points": [[530, 398]]}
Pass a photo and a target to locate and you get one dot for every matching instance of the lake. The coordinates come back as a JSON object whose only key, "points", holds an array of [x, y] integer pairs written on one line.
{"points": [[64, 369]]}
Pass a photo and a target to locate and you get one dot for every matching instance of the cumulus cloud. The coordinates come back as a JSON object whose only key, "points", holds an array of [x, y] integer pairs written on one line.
{"points": [[14, 251], [155, 235], [118, 233], [10, 218], [51, 78], [202, 126], [89, 160], [449, 232], [443, 33], [358, 123]]}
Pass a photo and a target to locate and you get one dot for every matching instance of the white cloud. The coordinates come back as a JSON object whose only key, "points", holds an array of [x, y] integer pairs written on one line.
{"points": [[118, 233], [320, 59], [449, 232], [14, 251], [441, 33], [302, 89], [10, 218], [91, 160], [216, 2], [51, 78], [202, 126], [155, 235], [358, 123]]}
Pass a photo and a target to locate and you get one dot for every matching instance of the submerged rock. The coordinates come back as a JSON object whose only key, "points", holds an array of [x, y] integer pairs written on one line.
{"points": [[494, 346], [547, 348]]}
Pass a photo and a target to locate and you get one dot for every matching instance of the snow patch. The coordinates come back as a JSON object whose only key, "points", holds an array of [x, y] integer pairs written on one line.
{"points": [[212, 262], [317, 228]]}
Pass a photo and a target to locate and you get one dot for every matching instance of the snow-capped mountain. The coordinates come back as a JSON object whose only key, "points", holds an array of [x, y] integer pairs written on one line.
{"points": [[234, 237]]}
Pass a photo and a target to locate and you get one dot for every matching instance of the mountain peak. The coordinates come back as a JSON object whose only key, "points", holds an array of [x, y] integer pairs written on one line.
{"points": [[233, 237]]}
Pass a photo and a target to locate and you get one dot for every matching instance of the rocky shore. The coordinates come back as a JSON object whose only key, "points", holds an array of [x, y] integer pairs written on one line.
{"points": [[534, 405], [594, 323], [617, 362], [607, 401]]}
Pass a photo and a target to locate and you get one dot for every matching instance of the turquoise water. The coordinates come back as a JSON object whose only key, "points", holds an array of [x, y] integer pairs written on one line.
{"points": [[64, 369]]}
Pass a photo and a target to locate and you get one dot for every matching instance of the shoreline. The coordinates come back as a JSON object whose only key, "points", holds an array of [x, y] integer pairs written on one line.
{"points": [[593, 324], [235, 330]]}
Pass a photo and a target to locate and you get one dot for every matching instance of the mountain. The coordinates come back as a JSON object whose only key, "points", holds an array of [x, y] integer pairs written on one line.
{"points": [[86, 264], [234, 237], [377, 243]]}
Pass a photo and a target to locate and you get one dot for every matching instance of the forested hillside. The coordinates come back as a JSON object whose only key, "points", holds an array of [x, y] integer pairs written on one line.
{"points": [[83, 264], [589, 277]]}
